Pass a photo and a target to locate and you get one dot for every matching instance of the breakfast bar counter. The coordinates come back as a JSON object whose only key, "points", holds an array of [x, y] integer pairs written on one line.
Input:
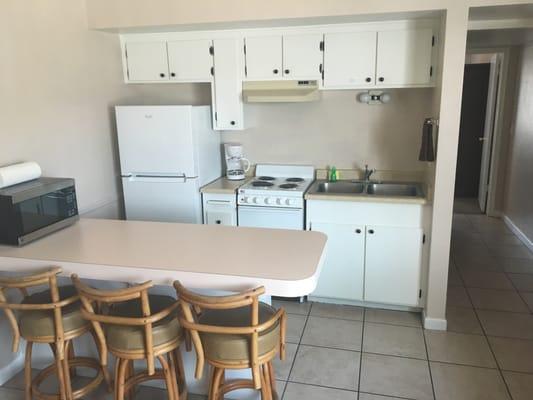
{"points": [[286, 262]]}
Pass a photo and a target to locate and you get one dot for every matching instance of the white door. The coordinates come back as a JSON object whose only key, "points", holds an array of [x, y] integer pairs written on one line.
{"points": [[404, 57], [302, 56], [393, 263], [349, 60], [486, 139], [342, 274], [227, 90], [220, 214], [190, 60], [156, 140], [270, 217], [263, 57], [162, 199], [147, 61]]}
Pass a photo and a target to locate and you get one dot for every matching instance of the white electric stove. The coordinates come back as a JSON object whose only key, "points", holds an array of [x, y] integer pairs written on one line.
{"points": [[275, 197]]}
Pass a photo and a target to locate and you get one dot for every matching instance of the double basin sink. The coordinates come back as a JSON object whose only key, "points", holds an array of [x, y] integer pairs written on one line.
{"points": [[370, 188]]}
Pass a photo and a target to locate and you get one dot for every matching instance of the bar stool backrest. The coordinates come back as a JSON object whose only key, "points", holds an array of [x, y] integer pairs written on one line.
{"points": [[46, 278], [92, 309]]}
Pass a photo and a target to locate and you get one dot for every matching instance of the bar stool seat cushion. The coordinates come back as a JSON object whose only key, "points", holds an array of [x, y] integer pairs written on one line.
{"points": [[40, 323], [132, 338], [230, 348]]}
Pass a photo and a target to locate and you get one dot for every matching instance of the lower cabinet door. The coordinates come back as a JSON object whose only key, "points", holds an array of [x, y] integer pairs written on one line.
{"points": [[393, 263], [342, 274], [220, 215]]}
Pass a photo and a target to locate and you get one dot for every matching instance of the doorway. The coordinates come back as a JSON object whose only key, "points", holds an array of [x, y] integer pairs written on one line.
{"points": [[478, 115]]}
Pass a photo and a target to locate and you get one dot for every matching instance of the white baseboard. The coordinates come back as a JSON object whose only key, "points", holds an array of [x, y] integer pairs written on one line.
{"points": [[13, 368], [434, 324], [518, 232]]}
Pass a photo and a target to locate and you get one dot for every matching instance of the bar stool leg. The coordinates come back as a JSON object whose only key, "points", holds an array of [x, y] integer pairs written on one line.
{"points": [[66, 371], [215, 388], [71, 356], [60, 374], [272, 379], [27, 371], [120, 378], [173, 370]]}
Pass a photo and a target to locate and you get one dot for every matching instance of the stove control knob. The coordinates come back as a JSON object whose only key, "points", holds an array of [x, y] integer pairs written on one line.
{"points": [[289, 202], [244, 199], [268, 200], [279, 201], [256, 200]]}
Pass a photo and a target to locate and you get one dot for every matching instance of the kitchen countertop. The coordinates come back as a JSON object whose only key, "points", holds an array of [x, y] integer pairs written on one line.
{"points": [[224, 186], [286, 262]]}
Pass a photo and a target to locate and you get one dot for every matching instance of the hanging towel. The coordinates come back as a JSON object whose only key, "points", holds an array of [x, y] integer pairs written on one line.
{"points": [[427, 152]]}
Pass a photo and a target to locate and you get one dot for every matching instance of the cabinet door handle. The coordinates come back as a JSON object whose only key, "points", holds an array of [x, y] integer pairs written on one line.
{"points": [[368, 79], [218, 222], [371, 231], [358, 231], [381, 79], [162, 75], [287, 71], [232, 122], [173, 74], [275, 71]]}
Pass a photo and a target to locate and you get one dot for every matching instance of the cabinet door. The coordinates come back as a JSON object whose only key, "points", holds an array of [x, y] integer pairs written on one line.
{"points": [[263, 57], [349, 60], [220, 214], [404, 57], [190, 60], [343, 270], [227, 87], [302, 56], [393, 263], [147, 61]]}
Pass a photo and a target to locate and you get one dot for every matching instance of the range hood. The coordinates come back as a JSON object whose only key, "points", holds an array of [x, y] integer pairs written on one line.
{"points": [[280, 91]]}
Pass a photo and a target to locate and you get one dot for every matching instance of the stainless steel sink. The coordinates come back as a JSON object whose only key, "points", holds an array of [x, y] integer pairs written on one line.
{"points": [[340, 187], [394, 189]]}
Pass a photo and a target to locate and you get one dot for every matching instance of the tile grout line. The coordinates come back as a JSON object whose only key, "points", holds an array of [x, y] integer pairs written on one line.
{"points": [[361, 355], [429, 364]]}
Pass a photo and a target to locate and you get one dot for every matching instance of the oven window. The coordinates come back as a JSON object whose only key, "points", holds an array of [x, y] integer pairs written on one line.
{"points": [[38, 212]]}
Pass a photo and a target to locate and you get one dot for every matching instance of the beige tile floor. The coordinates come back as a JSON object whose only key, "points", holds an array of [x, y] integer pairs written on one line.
{"points": [[352, 353]]}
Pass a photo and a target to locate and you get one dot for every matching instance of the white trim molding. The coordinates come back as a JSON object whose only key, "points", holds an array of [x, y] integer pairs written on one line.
{"points": [[434, 324], [518, 232]]}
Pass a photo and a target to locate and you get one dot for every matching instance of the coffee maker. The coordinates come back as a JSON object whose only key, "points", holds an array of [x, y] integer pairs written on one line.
{"points": [[236, 164]]}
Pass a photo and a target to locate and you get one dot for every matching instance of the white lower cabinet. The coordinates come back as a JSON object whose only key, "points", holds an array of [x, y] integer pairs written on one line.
{"points": [[219, 209], [345, 258], [374, 251]]}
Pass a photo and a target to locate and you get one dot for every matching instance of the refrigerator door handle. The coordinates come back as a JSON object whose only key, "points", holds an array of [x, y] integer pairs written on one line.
{"points": [[167, 178]]}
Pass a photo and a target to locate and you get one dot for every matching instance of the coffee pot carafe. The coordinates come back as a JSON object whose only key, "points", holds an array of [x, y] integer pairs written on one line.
{"points": [[236, 164]]}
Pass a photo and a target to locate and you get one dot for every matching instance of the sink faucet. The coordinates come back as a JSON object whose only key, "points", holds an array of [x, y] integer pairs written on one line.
{"points": [[368, 173]]}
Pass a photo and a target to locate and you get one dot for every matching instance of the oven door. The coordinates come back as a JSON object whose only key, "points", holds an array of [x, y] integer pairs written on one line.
{"points": [[271, 217]]}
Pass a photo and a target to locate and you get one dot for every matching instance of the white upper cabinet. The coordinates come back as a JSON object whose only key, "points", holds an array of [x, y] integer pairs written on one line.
{"points": [[190, 60], [264, 57], [302, 56], [147, 61], [227, 88], [350, 60], [404, 57]]}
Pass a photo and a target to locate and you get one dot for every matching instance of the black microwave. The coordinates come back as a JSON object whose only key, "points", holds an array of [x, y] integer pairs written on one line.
{"points": [[31, 210]]}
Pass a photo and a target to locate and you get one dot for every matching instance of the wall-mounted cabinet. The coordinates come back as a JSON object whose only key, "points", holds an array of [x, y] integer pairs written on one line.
{"points": [[146, 61], [190, 60], [264, 57]]}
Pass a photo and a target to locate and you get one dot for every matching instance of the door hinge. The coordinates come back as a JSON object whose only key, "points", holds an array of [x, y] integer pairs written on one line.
{"points": [[423, 238], [431, 71], [321, 46], [245, 70], [433, 41], [244, 48], [216, 116], [213, 71], [211, 50], [420, 294]]}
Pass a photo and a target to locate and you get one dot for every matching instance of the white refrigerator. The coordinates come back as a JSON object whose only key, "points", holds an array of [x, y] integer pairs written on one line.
{"points": [[166, 154]]}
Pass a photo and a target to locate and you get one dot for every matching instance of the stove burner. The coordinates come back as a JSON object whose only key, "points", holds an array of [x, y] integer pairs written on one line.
{"points": [[262, 184], [266, 178], [288, 186], [294, 179]]}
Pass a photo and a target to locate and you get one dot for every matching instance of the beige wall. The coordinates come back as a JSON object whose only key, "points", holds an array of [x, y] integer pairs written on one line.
{"points": [[338, 130], [519, 191]]}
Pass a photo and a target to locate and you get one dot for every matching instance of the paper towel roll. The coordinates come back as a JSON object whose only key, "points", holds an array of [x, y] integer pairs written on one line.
{"points": [[17, 173]]}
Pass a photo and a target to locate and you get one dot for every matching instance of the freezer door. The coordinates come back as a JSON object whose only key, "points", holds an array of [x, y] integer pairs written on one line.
{"points": [[156, 140], [162, 199]]}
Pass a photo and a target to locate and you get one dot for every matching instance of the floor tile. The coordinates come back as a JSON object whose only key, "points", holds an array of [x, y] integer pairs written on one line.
{"points": [[517, 265], [505, 324], [463, 320], [396, 376], [454, 278], [394, 340], [486, 280], [283, 368], [528, 298], [505, 239], [367, 396], [11, 394], [337, 311], [459, 382], [336, 333], [17, 381], [520, 385], [513, 354], [511, 251], [458, 297], [326, 367], [393, 317], [295, 327], [501, 300], [522, 282], [293, 307], [296, 391], [459, 348], [280, 388]]}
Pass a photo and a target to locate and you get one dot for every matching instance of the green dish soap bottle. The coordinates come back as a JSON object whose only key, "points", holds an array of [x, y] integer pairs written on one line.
{"points": [[333, 174]]}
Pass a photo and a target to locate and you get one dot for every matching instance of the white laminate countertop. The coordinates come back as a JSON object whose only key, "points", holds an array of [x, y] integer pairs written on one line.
{"points": [[224, 186], [286, 262]]}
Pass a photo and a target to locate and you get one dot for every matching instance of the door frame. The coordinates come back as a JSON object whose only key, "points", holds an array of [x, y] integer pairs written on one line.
{"points": [[496, 138]]}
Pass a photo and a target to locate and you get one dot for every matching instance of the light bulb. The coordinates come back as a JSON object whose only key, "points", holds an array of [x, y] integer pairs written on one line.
{"points": [[364, 97], [385, 98]]}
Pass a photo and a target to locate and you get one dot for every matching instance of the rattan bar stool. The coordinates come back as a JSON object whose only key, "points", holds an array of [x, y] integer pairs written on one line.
{"points": [[51, 316], [134, 325], [234, 332]]}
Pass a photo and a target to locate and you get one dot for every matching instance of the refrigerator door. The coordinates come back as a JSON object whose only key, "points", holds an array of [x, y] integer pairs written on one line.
{"points": [[156, 140], [162, 199]]}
